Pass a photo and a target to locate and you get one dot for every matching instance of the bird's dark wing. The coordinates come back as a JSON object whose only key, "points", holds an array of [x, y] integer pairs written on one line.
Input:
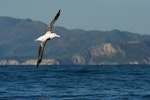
{"points": [[49, 28], [41, 49]]}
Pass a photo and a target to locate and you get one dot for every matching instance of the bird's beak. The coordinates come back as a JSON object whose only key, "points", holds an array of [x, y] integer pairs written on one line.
{"points": [[57, 35]]}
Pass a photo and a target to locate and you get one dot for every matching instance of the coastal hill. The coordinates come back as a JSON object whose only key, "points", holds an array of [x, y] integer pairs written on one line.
{"points": [[75, 46]]}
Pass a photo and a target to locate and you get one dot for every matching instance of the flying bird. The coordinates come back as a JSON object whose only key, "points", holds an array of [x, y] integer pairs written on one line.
{"points": [[47, 36]]}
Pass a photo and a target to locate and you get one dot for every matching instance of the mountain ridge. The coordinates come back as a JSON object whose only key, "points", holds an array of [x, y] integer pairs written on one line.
{"points": [[75, 46]]}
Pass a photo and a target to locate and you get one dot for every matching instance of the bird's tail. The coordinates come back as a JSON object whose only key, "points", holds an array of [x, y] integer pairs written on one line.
{"points": [[35, 40], [39, 38], [38, 63]]}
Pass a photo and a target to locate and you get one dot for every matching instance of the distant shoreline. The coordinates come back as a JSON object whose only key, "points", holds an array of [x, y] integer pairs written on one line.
{"points": [[54, 62]]}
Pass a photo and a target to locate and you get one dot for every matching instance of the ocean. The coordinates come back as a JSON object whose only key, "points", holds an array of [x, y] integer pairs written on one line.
{"points": [[126, 82]]}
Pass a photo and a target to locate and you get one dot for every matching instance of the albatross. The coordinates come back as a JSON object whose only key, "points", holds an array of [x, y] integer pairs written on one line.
{"points": [[47, 36]]}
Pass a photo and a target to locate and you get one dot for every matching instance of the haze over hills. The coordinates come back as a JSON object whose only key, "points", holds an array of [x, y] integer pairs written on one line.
{"points": [[74, 46]]}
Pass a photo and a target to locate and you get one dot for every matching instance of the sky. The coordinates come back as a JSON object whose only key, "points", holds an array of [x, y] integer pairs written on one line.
{"points": [[104, 15]]}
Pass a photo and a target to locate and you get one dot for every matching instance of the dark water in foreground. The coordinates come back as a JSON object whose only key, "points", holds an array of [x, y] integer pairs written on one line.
{"points": [[75, 83]]}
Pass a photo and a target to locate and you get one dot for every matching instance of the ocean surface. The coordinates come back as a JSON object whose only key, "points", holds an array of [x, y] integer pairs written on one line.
{"points": [[127, 82]]}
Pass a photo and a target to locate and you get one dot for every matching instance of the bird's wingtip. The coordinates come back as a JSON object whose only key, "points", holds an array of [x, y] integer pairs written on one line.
{"points": [[59, 10], [37, 65]]}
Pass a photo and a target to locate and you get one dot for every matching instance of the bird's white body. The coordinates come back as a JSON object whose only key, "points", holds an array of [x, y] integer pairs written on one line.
{"points": [[48, 35]]}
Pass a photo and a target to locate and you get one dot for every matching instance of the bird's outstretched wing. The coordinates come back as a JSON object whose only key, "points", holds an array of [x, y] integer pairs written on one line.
{"points": [[41, 49], [49, 28]]}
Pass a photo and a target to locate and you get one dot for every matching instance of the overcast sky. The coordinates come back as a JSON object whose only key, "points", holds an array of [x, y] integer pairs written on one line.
{"points": [[105, 15]]}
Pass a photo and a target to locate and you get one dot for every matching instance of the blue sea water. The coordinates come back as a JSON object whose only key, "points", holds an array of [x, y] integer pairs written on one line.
{"points": [[128, 82]]}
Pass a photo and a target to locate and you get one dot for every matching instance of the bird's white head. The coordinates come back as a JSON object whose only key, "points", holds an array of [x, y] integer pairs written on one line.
{"points": [[53, 35]]}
